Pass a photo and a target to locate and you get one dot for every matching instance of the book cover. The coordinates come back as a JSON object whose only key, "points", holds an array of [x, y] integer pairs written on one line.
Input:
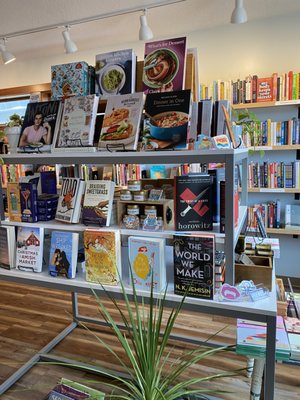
{"points": [[48, 182], [115, 72], [69, 202], [294, 340], [102, 256], [93, 393], [7, 247], [65, 392], [29, 196], [194, 265], [63, 254], [29, 255], [166, 120], [14, 201], [264, 89], [69, 79], [40, 124], [193, 202], [292, 325], [147, 258], [78, 122], [164, 65], [98, 201], [121, 123]]}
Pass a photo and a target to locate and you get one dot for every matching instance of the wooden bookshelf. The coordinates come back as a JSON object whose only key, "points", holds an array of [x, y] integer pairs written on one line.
{"points": [[283, 231], [266, 104], [274, 190], [281, 147]]}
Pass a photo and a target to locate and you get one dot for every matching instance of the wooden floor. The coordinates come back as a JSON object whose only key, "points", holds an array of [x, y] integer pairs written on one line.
{"points": [[30, 317]]}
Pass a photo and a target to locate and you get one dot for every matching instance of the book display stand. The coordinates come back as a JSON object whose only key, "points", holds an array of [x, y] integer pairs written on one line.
{"points": [[263, 311]]}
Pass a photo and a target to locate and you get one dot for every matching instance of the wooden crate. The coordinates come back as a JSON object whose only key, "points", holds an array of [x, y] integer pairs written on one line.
{"points": [[261, 272]]}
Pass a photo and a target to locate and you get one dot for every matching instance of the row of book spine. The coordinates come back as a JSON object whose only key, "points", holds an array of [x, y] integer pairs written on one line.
{"points": [[274, 175], [270, 213]]}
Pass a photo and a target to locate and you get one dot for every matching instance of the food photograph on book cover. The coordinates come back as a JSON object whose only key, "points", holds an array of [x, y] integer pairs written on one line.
{"points": [[40, 123]]}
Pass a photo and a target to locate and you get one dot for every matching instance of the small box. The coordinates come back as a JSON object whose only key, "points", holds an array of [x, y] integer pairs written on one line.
{"points": [[261, 272]]}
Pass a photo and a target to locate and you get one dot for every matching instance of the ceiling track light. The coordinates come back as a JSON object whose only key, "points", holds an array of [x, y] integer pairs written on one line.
{"points": [[7, 57], [145, 33], [239, 14], [70, 46]]}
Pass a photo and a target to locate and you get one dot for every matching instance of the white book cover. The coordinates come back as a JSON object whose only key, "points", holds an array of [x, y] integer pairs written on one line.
{"points": [[147, 257], [7, 247], [63, 254], [78, 122], [68, 208], [29, 254], [98, 201], [121, 123]]}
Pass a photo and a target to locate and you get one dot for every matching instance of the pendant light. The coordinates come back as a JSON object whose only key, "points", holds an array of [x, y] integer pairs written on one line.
{"points": [[7, 57], [145, 32], [70, 46], [239, 14]]}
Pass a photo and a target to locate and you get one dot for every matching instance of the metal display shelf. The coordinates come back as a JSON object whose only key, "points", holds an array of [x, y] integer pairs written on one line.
{"points": [[263, 311]]}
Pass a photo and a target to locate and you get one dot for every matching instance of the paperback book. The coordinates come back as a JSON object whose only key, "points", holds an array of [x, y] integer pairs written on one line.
{"points": [[29, 255], [78, 122], [193, 202], [98, 202], [194, 261], [7, 247], [41, 123], [69, 202], [14, 201], [121, 123], [29, 196], [164, 65], [147, 261], [102, 251], [166, 120], [115, 73], [63, 254]]}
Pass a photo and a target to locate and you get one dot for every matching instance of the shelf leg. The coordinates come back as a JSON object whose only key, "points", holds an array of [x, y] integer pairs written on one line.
{"points": [[75, 311], [229, 220], [270, 358]]}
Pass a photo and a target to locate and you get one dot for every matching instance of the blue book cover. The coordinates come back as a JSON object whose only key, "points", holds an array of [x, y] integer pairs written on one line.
{"points": [[63, 254]]}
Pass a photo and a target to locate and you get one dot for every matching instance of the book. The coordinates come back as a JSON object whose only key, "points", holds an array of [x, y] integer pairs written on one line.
{"points": [[193, 202], [98, 202], [292, 325], [48, 182], [69, 202], [63, 254], [7, 247], [40, 125], [115, 72], [121, 123], [69, 79], [102, 256], [166, 120], [77, 122], [13, 201], [164, 65], [65, 392], [264, 89], [29, 195], [93, 393], [29, 254], [292, 216], [147, 261], [294, 340], [194, 265]]}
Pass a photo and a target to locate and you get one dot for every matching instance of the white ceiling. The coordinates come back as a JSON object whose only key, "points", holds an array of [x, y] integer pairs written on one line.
{"points": [[174, 19]]}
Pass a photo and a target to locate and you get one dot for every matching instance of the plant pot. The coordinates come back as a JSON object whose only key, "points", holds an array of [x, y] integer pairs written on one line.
{"points": [[13, 135]]}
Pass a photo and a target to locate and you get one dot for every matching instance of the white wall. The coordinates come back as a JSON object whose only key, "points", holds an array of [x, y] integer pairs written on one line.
{"points": [[227, 52]]}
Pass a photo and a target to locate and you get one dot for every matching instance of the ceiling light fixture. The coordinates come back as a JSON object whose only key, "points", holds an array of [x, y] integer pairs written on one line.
{"points": [[239, 14], [70, 46], [7, 57], [145, 33]]}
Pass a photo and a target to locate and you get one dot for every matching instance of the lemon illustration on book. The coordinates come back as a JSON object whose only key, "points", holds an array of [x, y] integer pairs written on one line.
{"points": [[141, 266]]}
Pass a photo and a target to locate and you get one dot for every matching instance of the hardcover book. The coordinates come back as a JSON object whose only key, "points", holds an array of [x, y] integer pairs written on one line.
{"points": [[193, 202], [164, 65], [29, 255], [194, 265], [147, 261], [102, 256], [48, 182], [7, 247], [70, 79], [63, 254], [14, 201], [115, 72], [78, 122], [29, 196], [98, 202], [166, 120], [292, 216], [69, 202], [40, 125], [121, 123], [264, 89]]}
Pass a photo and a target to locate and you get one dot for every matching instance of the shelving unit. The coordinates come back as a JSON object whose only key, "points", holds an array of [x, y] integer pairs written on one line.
{"points": [[264, 311]]}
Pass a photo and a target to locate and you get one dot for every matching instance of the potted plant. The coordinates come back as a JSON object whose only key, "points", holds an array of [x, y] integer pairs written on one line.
{"points": [[145, 340], [13, 130], [250, 127]]}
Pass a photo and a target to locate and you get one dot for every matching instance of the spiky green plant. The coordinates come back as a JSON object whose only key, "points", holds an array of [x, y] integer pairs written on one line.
{"points": [[145, 340]]}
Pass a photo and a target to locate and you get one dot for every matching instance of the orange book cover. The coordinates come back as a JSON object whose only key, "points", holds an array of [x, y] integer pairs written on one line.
{"points": [[264, 89]]}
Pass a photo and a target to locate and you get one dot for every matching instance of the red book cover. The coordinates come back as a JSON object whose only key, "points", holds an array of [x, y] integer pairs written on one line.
{"points": [[264, 89], [290, 86]]}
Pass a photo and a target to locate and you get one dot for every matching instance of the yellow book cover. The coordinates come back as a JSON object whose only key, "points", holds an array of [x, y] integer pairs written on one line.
{"points": [[102, 256], [14, 201]]}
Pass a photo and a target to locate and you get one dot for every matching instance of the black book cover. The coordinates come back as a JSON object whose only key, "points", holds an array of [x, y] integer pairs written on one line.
{"points": [[193, 202], [194, 265]]}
